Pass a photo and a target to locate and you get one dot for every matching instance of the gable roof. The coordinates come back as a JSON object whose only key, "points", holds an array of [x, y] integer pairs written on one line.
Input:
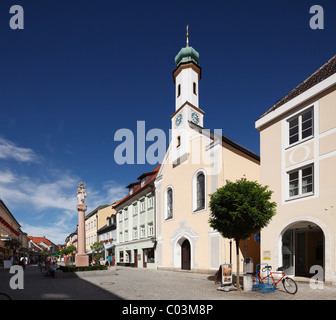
{"points": [[139, 188], [38, 240], [324, 72]]}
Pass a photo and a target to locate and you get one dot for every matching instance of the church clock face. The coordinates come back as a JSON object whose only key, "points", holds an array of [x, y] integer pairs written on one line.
{"points": [[195, 118], [178, 120]]}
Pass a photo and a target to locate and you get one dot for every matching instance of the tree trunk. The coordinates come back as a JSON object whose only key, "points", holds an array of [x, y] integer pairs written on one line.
{"points": [[237, 273]]}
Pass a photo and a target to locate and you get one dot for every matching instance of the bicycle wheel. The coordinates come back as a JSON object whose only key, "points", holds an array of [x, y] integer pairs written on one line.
{"points": [[44, 271], [4, 296], [290, 285]]}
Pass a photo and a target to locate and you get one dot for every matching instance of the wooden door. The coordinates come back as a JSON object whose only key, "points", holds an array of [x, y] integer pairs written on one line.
{"points": [[135, 258], [186, 255]]}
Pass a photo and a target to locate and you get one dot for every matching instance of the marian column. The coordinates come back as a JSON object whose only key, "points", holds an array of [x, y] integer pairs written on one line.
{"points": [[82, 259]]}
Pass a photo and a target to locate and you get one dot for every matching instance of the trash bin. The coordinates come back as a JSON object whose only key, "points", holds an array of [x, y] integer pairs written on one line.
{"points": [[248, 274]]}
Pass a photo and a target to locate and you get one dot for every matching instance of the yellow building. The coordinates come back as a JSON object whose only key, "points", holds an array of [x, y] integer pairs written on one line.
{"points": [[91, 227], [298, 152], [196, 163], [94, 221]]}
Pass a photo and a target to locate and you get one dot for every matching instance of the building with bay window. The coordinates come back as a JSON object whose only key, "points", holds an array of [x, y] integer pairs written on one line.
{"points": [[298, 152], [136, 224]]}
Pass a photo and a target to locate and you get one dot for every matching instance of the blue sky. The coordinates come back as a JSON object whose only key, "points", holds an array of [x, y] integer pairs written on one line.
{"points": [[81, 70]]}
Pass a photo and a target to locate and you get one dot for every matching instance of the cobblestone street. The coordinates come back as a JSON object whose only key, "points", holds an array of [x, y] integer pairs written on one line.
{"points": [[144, 284]]}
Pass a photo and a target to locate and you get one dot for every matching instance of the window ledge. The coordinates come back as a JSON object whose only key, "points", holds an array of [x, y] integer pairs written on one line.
{"points": [[199, 210], [306, 195], [298, 142]]}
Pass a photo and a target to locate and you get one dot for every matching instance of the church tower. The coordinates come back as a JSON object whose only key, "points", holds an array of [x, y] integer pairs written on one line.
{"points": [[187, 75]]}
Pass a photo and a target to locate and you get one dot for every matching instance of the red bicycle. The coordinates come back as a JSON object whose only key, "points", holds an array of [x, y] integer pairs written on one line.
{"points": [[276, 276]]}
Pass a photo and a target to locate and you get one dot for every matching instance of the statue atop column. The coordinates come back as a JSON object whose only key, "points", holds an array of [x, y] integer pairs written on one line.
{"points": [[81, 193], [82, 259]]}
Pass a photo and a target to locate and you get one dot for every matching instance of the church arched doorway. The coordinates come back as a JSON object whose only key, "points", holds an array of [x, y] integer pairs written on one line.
{"points": [[186, 255]]}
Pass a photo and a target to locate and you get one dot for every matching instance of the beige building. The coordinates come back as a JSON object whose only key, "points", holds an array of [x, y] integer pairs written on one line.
{"points": [[298, 152], [94, 221], [197, 162], [91, 228]]}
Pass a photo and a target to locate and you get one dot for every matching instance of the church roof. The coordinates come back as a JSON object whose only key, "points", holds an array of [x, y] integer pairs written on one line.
{"points": [[187, 54], [226, 140]]}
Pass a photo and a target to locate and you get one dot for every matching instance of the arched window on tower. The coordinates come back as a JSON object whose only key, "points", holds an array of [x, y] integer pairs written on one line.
{"points": [[178, 90], [194, 88]]}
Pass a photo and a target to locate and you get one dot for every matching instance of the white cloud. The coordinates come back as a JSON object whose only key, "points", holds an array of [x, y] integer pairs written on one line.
{"points": [[8, 150], [6, 177], [50, 200], [52, 204], [56, 234]]}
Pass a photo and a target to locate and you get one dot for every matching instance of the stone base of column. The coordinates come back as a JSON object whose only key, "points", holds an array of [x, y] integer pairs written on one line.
{"points": [[82, 260]]}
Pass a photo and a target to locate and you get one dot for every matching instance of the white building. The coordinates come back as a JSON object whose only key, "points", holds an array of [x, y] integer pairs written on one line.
{"points": [[136, 224]]}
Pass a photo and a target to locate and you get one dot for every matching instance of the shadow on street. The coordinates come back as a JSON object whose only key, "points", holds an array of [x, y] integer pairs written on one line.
{"points": [[39, 287]]}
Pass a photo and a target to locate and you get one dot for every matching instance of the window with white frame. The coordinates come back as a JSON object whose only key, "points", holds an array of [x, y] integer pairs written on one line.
{"points": [[126, 213], [121, 237], [120, 216], [142, 205], [150, 229], [301, 182], [150, 202], [135, 209], [300, 127], [126, 235], [142, 231], [135, 233], [169, 203]]}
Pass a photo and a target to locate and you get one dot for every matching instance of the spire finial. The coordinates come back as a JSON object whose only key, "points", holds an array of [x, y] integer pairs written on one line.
{"points": [[188, 35]]}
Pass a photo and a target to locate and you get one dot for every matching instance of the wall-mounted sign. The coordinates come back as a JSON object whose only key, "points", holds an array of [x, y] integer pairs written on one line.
{"points": [[257, 237], [267, 255]]}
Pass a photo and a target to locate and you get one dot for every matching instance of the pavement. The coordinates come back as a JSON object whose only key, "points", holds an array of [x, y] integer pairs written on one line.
{"points": [[143, 284]]}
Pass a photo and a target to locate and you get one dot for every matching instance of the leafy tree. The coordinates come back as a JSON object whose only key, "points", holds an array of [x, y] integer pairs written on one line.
{"points": [[239, 209], [98, 249], [13, 244]]}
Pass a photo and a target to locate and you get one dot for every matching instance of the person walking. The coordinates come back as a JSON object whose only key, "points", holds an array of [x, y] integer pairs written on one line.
{"points": [[109, 259]]}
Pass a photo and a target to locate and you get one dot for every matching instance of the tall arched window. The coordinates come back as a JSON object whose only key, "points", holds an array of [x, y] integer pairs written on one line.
{"points": [[199, 189], [169, 203]]}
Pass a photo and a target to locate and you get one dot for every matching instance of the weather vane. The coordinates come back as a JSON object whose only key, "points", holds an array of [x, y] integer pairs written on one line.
{"points": [[188, 35]]}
